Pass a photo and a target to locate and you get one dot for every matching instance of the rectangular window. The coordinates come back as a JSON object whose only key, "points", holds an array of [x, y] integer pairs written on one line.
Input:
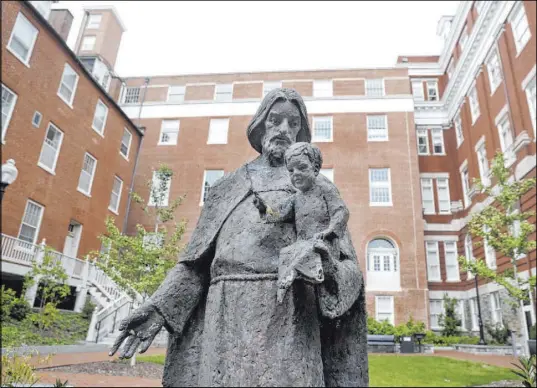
{"points": [[223, 92], [427, 196], [328, 173], [85, 181], [22, 40], [269, 86], [94, 21], [380, 188], [169, 132], [469, 252], [218, 129], [68, 84], [115, 196], [374, 87], [496, 308], [417, 90], [31, 222], [175, 93], [99, 118], [437, 136], [51, 148], [473, 312], [132, 95], [125, 143], [436, 307], [464, 38], [451, 260], [520, 26], [159, 193], [36, 120], [423, 142], [442, 191], [465, 180], [377, 128], [88, 43], [474, 104], [209, 178], [432, 90], [458, 129], [459, 309], [322, 129], [504, 131], [483, 164], [433, 261], [490, 253], [8, 104], [494, 71], [451, 68], [531, 96], [322, 88], [385, 308]]}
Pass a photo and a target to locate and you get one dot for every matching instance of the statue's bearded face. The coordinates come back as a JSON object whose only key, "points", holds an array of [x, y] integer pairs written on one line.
{"points": [[281, 128]]}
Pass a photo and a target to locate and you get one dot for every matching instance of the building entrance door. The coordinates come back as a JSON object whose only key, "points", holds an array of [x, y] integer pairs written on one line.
{"points": [[72, 240]]}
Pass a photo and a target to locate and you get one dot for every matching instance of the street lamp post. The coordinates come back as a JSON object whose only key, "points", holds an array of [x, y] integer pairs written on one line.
{"points": [[9, 174], [480, 320]]}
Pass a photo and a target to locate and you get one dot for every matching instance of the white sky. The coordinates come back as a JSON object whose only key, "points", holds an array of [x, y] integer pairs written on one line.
{"points": [[167, 37]]}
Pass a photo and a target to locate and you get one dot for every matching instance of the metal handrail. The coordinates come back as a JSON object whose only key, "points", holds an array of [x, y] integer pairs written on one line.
{"points": [[98, 324]]}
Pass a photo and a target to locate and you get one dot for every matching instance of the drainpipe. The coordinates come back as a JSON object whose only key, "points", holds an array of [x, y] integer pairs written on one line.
{"points": [[125, 222]]}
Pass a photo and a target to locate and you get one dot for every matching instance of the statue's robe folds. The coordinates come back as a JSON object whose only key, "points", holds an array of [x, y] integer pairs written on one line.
{"points": [[226, 328]]}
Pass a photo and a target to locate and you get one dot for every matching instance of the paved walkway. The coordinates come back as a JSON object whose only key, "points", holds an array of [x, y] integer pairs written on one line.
{"points": [[491, 359]]}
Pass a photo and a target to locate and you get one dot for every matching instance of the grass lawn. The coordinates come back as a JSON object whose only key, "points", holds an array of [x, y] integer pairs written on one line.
{"points": [[417, 371]]}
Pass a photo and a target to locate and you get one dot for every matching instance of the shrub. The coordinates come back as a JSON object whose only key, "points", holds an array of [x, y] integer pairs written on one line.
{"points": [[499, 333], [18, 371], [87, 310], [439, 340], [7, 295], [20, 308], [48, 316], [449, 321], [526, 370], [385, 328]]}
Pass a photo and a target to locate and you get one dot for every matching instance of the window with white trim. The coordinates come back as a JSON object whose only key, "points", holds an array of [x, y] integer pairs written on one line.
{"points": [[531, 96], [464, 38], [422, 136], [159, 193], [483, 164], [218, 130], [496, 308], [223, 92], [465, 179], [442, 192], [515, 229], [451, 68], [490, 253], [374, 87], [384, 308], [322, 88], [176, 93], [437, 136], [31, 222], [433, 261], [520, 27], [68, 84], [473, 314], [377, 128], [51, 148], [132, 95], [99, 118], [85, 181], [380, 188], [427, 196], [8, 104], [458, 129], [36, 119], [382, 265], [494, 71], [474, 104], [269, 86], [209, 178], [436, 308], [322, 129], [451, 260], [328, 173], [417, 91], [94, 21], [88, 43], [169, 132], [432, 90], [469, 252], [461, 314], [22, 40], [125, 143], [504, 131], [115, 196]]}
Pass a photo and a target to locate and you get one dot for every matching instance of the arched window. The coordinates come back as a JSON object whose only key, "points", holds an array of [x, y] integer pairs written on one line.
{"points": [[382, 265]]}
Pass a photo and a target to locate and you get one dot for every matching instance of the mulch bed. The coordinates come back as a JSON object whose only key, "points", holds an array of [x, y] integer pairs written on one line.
{"points": [[113, 368]]}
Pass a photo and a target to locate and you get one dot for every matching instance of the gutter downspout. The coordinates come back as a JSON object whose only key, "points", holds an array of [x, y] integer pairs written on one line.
{"points": [[125, 222]]}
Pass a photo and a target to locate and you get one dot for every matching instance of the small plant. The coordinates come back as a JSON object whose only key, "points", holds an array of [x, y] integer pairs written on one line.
{"points": [[500, 333], [49, 314], [59, 383], [87, 310], [8, 296], [17, 370], [527, 370], [449, 321], [20, 308]]}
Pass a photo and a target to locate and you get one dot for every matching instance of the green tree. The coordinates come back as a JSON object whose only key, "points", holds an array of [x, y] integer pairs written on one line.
{"points": [[449, 321]]}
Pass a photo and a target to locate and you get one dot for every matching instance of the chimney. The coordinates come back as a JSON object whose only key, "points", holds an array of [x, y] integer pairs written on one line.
{"points": [[61, 20]]}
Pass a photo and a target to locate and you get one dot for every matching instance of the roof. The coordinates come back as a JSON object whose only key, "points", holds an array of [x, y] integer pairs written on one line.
{"points": [[107, 8]]}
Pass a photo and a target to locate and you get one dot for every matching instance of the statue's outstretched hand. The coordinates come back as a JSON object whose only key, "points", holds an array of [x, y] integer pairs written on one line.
{"points": [[139, 329]]}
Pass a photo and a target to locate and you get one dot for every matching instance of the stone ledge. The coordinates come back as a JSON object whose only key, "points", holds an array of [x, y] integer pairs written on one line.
{"points": [[488, 349]]}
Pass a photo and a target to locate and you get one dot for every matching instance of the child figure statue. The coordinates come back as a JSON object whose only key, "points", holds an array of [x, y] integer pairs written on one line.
{"points": [[319, 214]]}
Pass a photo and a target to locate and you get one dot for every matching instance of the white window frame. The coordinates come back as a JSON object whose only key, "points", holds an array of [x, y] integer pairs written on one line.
{"points": [[432, 86], [392, 312], [328, 173], [370, 138], [127, 99], [110, 207], [73, 91], [165, 129], [503, 123], [25, 61], [88, 43], [494, 70], [451, 260], [38, 227], [371, 87], [527, 84], [88, 193], [323, 88], [422, 134], [482, 161], [52, 169], [92, 24], [459, 134], [269, 86], [128, 145], [154, 183], [433, 264], [172, 93], [447, 200], [102, 104], [225, 95], [463, 38], [450, 69], [490, 253], [469, 252], [435, 312], [496, 308], [522, 39], [380, 185], [427, 184], [417, 90], [438, 136], [39, 116], [474, 319], [202, 194], [314, 138], [5, 123], [465, 181], [473, 99], [218, 124]]}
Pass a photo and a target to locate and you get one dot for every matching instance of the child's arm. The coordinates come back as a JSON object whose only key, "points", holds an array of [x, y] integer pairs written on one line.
{"points": [[339, 214], [283, 214]]}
